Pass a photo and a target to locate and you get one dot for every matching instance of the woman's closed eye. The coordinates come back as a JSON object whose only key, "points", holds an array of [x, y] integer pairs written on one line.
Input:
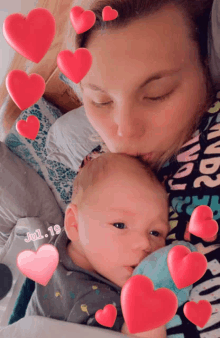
{"points": [[159, 98], [121, 227]]}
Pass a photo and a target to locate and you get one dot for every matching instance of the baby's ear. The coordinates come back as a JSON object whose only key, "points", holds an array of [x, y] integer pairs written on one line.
{"points": [[71, 222]]}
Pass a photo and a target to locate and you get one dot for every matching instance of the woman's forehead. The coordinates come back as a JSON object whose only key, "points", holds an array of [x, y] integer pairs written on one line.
{"points": [[159, 41]]}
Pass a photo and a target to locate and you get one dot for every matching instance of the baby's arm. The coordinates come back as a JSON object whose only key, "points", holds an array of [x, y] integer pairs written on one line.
{"points": [[159, 332]]}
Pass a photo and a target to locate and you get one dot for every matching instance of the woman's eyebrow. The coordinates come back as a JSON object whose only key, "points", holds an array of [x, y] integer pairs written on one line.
{"points": [[155, 76]]}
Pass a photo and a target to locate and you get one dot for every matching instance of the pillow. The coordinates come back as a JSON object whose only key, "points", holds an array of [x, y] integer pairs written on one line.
{"points": [[28, 195], [71, 138], [22, 192], [58, 176]]}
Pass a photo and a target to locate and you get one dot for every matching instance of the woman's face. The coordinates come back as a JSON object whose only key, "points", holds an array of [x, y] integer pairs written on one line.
{"points": [[145, 84]]}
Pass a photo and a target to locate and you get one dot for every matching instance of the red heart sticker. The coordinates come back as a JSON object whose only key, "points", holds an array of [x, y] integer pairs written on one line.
{"points": [[32, 36], [212, 239], [202, 223], [185, 267], [145, 309], [199, 314], [107, 316], [24, 90], [75, 65], [109, 14], [82, 20], [30, 128]]}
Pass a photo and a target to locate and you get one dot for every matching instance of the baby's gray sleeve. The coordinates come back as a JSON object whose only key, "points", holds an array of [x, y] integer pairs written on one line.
{"points": [[87, 306]]}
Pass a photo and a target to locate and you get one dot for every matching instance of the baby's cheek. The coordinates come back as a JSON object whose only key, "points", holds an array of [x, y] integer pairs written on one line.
{"points": [[160, 243]]}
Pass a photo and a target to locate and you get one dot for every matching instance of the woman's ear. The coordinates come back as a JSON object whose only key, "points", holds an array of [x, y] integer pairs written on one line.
{"points": [[71, 222]]}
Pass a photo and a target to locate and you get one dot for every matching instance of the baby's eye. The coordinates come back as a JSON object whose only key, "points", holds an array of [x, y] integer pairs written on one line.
{"points": [[155, 233], [120, 225]]}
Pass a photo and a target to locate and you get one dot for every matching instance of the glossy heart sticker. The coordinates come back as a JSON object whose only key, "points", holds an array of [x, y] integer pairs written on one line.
{"points": [[107, 316], [202, 223], [199, 314], [30, 36], [75, 65], [109, 14], [212, 239], [82, 20], [185, 267], [24, 90], [39, 266], [145, 309], [29, 128]]}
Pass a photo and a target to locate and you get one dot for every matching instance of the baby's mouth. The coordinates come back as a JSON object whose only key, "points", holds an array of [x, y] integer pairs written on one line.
{"points": [[131, 268]]}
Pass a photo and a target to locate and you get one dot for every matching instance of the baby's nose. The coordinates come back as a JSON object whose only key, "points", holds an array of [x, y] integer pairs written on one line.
{"points": [[141, 242]]}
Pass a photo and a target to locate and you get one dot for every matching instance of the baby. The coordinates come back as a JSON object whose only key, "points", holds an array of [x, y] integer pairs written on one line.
{"points": [[118, 216]]}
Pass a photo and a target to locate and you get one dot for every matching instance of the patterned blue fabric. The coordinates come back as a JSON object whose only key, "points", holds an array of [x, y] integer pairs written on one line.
{"points": [[33, 152]]}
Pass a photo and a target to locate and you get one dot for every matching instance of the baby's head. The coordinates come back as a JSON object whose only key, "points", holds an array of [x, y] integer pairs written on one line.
{"points": [[118, 216]]}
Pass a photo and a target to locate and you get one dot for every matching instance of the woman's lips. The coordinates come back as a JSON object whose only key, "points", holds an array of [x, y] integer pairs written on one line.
{"points": [[147, 157]]}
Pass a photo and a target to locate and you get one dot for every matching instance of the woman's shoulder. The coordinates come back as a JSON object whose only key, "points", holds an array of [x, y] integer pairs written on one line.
{"points": [[206, 130], [196, 164]]}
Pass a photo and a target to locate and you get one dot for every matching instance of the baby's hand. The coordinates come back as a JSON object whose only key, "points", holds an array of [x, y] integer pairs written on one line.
{"points": [[155, 267]]}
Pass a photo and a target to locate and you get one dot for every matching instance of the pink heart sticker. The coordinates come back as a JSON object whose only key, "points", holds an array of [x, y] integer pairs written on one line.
{"points": [[107, 316], [82, 20], [145, 309], [199, 314], [75, 65], [24, 90], [185, 267], [32, 36], [109, 14], [39, 266], [202, 223], [29, 128]]}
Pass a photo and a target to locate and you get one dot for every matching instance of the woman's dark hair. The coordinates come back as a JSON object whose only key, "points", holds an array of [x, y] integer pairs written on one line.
{"points": [[196, 14]]}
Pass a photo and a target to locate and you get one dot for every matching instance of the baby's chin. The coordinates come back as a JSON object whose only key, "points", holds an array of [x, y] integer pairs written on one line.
{"points": [[128, 274], [119, 281]]}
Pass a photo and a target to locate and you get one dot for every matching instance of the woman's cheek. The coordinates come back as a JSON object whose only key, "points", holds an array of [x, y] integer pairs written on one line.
{"points": [[96, 114], [91, 114], [99, 119], [89, 108]]}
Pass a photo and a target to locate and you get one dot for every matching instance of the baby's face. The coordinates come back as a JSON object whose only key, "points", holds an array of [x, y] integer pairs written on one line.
{"points": [[124, 219]]}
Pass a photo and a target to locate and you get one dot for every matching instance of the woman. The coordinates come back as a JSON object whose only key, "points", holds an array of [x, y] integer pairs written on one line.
{"points": [[147, 94]]}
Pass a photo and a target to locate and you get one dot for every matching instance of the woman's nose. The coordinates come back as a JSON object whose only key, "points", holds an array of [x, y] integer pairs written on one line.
{"points": [[129, 121]]}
